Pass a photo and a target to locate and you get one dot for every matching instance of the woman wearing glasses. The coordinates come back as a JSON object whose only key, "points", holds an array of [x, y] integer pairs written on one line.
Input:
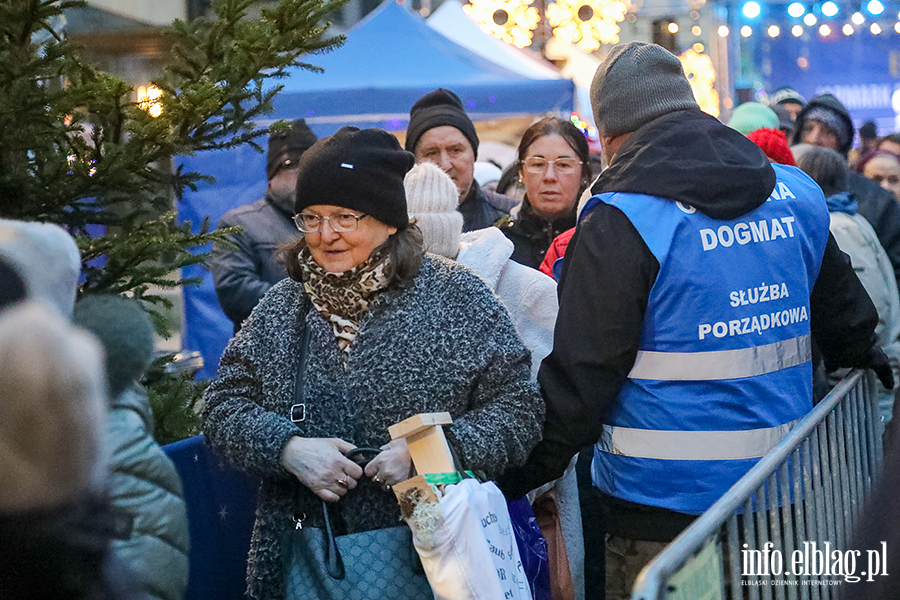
{"points": [[554, 168], [392, 332]]}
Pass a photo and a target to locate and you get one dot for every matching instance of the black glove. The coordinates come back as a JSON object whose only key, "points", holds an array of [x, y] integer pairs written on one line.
{"points": [[878, 362]]}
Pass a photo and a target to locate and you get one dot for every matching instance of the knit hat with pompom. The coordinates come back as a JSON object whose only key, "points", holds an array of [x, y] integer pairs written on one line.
{"points": [[432, 198]]}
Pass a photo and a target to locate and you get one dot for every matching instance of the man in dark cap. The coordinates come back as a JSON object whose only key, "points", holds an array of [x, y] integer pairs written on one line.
{"points": [[245, 272], [788, 98], [441, 132], [660, 360], [826, 122]]}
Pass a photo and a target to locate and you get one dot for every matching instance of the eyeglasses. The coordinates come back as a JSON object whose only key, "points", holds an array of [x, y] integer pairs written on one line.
{"points": [[340, 222], [563, 166]]}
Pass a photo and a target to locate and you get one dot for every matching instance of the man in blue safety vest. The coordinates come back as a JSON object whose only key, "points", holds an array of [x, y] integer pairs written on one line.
{"points": [[698, 281]]}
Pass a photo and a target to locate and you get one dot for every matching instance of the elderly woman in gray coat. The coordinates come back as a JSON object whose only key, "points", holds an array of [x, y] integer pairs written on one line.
{"points": [[392, 332]]}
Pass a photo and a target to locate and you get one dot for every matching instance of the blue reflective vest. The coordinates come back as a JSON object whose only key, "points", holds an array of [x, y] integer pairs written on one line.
{"points": [[724, 363]]}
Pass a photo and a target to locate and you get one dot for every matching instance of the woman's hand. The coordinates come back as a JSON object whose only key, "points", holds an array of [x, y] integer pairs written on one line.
{"points": [[320, 465], [393, 464]]}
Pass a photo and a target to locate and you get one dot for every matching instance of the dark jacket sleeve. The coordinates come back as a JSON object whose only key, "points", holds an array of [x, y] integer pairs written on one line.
{"points": [[842, 316], [604, 290], [237, 273]]}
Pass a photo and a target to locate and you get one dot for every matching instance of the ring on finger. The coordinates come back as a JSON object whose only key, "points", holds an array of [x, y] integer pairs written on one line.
{"points": [[377, 479], [342, 481]]}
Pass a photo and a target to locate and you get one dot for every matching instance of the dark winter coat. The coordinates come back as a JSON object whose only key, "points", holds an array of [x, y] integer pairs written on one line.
{"points": [[685, 156], [442, 344], [145, 486], [244, 273], [876, 204], [482, 208], [531, 235]]}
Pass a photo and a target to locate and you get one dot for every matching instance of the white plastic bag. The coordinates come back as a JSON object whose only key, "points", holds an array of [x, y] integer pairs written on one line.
{"points": [[467, 547]]}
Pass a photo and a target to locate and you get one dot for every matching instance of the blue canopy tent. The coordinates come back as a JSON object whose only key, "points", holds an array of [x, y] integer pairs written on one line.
{"points": [[390, 59]]}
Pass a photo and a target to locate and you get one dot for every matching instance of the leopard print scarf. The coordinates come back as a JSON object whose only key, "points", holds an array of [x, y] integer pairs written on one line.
{"points": [[343, 299]]}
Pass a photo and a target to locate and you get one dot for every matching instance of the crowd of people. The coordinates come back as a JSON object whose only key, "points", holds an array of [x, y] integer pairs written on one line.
{"points": [[627, 336]]}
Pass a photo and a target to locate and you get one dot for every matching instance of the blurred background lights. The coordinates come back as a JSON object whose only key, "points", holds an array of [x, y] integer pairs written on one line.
{"points": [[796, 10], [673, 27], [829, 9], [796, 31], [773, 31], [897, 26], [875, 29], [751, 9], [723, 31], [696, 30], [848, 29], [809, 19], [746, 31], [875, 7], [857, 18], [698, 48], [824, 30]]}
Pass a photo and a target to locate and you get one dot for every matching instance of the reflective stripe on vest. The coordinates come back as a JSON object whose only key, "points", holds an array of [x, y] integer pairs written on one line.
{"points": [[691, 445], [724, 364]]}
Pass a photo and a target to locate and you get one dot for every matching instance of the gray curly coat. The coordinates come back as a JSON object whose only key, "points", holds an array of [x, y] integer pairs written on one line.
{"points": [[444, 343]]}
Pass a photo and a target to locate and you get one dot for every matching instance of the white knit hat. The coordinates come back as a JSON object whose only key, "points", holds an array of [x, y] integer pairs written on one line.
{"points": [[432, 199]]}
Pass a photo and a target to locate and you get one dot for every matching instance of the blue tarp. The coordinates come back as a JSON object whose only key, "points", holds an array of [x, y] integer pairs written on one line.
{"points": [[390, 59]]}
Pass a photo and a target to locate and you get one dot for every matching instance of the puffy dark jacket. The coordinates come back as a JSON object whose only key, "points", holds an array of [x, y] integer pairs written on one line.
{"points": [[146, 487], [483, 208], [531, 235], [244, 273]]}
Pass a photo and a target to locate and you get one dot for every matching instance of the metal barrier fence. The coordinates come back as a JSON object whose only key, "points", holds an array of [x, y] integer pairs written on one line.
{"points": [[776, 532]]}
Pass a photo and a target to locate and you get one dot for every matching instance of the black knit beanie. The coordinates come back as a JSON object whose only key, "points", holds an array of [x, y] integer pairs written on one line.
{"points": [[638, 83], [437, 108], [288, 145], [359, 169]]}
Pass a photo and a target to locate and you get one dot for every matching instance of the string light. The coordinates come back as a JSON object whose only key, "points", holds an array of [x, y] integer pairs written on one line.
{"points": [[752, 9], [673, 27], [773, 31], [829, 9], [513, 21], [587, 23], [897, 26], [875, 29], [696, 30], [796, 31], [698, 48], [809, 19], [723, 31], [824, 30], [746, 31], [148, 99], [701, 75], [796, 10], [858, 18], [848, 29]]}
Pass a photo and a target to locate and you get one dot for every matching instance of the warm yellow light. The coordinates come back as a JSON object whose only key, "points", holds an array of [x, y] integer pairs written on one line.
{"points": [[824, 30], [897, 26], [513, 21], [698, 48], [696, 30], [774, 31], [587, 23], [857, 18], [723, 31], [875, 29], [673, 27], [148, 99], [847, 29], [796, 31], [746, 31], [702, 75], [809, 19]]}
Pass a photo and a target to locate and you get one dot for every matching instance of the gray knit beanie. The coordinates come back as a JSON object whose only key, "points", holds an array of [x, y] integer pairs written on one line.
{"points": [[637, 83], [432, 198]]}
